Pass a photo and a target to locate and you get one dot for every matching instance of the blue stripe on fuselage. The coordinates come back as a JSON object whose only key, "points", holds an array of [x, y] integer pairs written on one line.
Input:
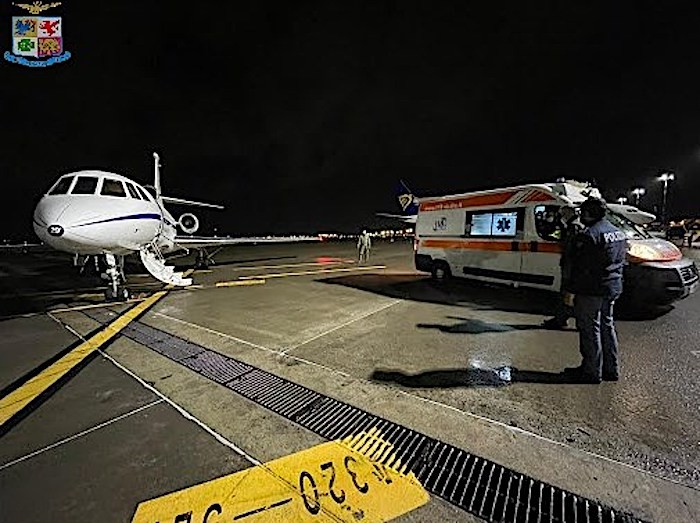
{"points": [[144, 216]]}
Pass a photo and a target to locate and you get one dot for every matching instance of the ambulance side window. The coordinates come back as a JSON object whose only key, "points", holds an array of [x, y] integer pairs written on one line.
{"points": [[547, 222], [500, 223]]}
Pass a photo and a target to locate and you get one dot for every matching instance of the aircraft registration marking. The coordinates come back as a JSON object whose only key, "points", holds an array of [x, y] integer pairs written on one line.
{"points": [[22, 396], [358, 478]]}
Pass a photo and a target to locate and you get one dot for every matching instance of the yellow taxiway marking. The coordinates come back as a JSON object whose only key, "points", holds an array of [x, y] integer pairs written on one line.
{"points": [[238, 283], [291, 265], [355, 479], [307, 273], [94, 306], [339, 261], [19, 398]]}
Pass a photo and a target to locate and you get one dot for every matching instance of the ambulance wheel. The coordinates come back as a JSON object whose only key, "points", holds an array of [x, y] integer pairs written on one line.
{"points": [[441, 271]]}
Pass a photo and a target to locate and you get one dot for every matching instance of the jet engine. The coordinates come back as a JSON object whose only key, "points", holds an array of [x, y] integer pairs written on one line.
{"points": [[188, 222]]}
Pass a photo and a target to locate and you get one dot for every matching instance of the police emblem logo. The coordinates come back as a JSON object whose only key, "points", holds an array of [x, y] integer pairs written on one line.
{"points": [[37, 41]]}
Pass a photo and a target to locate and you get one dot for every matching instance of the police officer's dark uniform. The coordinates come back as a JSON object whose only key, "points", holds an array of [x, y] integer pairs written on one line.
{"points": [[570, 229], [596, 280]]}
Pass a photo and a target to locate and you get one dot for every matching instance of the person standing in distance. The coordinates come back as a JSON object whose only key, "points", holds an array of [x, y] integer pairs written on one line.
{"points": [[599, 256], [364, 245]]}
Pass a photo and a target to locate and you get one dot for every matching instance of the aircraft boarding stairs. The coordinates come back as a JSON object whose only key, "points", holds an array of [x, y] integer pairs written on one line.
{"points": [[153, 260]]}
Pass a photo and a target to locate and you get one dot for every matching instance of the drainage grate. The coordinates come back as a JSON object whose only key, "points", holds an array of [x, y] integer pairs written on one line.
{"points": [[478, 486]]}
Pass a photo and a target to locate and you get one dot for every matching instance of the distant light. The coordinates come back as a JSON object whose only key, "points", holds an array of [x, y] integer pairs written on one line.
{"points": [[667, 177]]}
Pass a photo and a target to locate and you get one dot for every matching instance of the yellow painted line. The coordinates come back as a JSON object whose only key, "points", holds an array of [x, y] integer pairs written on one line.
{"points": [[289, 265], [238, 283], [307, 273], [356, 479], [16, 400], [95, 306]]}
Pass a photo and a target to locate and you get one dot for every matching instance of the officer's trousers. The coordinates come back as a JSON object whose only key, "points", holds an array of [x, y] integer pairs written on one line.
{"points": [[597, 337]]}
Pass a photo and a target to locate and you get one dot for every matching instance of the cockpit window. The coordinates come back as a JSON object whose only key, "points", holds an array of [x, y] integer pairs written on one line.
{"points": [[132, 191], [62, 185], [144, 193], [85, 185], [113, 188]]}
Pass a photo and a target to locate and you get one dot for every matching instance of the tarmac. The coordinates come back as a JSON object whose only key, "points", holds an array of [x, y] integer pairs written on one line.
{"points": [[465, 364]]}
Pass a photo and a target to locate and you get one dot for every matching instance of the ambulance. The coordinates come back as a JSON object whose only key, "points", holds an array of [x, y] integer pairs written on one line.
{"points": [[512, 236]]}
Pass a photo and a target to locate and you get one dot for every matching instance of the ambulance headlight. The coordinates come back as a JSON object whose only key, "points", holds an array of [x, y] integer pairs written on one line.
{"points": [[660, 251]]}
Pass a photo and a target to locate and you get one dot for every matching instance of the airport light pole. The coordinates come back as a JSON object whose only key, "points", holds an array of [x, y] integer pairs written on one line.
{"points": [[666, 176], [638, 192]]}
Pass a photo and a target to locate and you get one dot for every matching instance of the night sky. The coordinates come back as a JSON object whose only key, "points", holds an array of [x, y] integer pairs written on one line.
{"points": [[301, 117]]}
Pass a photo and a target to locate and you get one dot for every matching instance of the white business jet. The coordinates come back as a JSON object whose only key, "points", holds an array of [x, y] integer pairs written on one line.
{"points": [[102, 214]]}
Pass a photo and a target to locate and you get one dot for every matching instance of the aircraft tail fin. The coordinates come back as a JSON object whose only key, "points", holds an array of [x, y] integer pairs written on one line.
{"points": [[407, 201], [156, 175], [169, 199]]}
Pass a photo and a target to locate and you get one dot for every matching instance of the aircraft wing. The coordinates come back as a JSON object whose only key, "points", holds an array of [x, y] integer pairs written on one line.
{"points": [[201, 242], [411, 218], [19, 246]]}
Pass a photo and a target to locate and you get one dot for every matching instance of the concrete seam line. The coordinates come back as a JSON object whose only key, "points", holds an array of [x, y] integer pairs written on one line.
{"points": [[338, 327], [184, 413], [33, 390], [251, 344], [80, 434]]}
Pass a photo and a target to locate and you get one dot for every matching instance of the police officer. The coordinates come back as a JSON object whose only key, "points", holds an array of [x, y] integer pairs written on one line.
{"points": [[596, 281], [570, 227]]}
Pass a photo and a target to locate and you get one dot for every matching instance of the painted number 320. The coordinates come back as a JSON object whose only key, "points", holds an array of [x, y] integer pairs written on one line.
{"points": [[309, 489]]}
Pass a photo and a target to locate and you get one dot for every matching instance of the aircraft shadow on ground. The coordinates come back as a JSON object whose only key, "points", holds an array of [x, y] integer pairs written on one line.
{"points": [[469, 378]]}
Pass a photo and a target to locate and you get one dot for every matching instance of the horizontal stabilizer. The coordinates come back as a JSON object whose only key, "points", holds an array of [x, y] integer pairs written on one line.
{"points": [[411, 218], [180, 201]]}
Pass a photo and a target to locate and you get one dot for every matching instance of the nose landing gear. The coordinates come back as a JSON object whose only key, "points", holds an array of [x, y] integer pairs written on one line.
{"points": [[116, 291]]}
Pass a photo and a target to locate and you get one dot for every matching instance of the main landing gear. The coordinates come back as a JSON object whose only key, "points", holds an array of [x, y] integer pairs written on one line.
{"points": [[116, 291], [204, 258]]}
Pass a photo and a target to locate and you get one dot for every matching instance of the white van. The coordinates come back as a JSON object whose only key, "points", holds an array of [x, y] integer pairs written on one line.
{"points": [[511, 236]]}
